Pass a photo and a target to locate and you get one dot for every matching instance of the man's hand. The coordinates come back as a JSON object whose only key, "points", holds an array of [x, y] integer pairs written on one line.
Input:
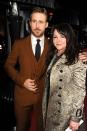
{"points": [[83, 56], [31, 85]]}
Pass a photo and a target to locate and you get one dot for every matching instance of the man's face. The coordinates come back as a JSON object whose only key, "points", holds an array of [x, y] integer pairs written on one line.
{"points": [[38, 24]]}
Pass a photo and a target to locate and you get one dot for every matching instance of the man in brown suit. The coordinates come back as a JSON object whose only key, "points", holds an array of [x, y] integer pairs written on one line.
{"points": [[29, 76]]}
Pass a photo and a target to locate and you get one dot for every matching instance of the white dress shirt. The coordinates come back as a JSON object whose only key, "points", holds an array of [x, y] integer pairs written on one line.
{"points": [[34, 42]]}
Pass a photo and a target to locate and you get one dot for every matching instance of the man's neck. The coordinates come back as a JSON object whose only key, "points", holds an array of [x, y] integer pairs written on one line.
{"points": [[41, 37]]}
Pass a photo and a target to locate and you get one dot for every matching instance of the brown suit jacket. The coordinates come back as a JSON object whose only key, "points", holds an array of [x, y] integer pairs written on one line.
{"points": [[28, 68]]}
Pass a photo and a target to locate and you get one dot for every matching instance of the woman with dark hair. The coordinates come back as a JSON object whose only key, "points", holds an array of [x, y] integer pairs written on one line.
{"points": [[63, 100]]}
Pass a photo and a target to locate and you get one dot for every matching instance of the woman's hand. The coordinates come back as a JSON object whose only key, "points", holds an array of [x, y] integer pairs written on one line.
{"points": [[74, 125]]}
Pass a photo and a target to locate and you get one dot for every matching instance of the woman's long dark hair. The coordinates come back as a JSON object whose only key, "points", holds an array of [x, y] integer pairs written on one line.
{"points": [[72, 47]]}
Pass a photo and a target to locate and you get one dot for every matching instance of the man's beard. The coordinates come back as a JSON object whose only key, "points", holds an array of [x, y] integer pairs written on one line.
{"points": [[37, 33]]}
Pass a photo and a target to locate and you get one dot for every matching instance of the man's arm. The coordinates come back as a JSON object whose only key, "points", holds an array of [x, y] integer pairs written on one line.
{"points": [[15, 75]]}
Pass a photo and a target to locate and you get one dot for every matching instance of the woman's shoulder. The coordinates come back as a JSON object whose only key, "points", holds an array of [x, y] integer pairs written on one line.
{"points": [[80, 64]]}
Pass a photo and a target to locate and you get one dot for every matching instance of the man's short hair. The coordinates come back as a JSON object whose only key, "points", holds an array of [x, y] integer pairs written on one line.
{"points": [[39, 10]]}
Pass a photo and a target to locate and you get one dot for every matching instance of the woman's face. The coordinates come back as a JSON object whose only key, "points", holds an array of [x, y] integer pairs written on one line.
{"points": [[59, 41]]}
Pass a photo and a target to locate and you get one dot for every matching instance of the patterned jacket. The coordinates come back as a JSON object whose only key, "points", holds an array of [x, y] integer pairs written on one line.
{"points": [[65, 91]]}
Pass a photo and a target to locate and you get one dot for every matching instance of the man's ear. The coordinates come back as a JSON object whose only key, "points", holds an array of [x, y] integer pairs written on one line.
{"points": [[29, 23], [46, 24]]}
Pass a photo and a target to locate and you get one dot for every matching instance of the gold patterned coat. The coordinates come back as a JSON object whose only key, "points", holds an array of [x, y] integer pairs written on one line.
{"points": [[66, 94]]}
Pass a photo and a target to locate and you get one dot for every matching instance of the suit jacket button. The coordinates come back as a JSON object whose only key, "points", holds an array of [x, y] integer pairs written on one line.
{"points": [[59, 111], [61, 71], [60, 80], [59, 103], [60, 88], [59, 95]]}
